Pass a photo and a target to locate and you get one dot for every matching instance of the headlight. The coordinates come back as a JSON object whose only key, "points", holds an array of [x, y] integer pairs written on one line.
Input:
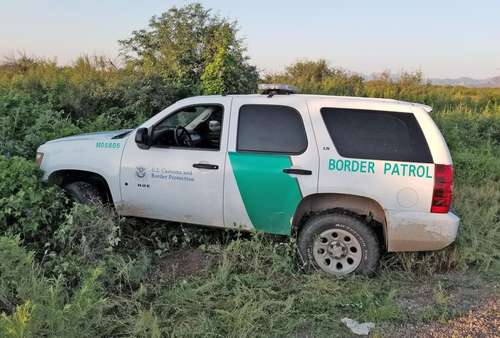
{"points": [[39, 159]]}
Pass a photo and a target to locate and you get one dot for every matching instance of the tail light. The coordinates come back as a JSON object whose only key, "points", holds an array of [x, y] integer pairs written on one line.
{"points": [[443, 188]]}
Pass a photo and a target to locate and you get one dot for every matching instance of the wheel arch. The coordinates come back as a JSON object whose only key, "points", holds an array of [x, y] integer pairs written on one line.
{"points": [[363, 206], [63, 177]]}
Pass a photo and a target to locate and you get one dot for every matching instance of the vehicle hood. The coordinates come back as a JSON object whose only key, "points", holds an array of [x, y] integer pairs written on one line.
{"points": [[103, 135]]}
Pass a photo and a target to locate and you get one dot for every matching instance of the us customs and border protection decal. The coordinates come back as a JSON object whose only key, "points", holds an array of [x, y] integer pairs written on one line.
{"points": [[172, 175], [165, 174], [388, 169]]}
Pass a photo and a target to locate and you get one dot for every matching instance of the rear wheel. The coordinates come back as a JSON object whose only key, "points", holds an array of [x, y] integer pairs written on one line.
{"points": [[339, 244], [84, 192]]}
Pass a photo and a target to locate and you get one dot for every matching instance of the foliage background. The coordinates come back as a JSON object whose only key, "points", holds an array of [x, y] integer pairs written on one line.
{"points": [[73, 270]]}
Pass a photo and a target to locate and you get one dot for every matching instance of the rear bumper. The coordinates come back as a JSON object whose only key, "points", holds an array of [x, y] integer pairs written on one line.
{"points": [[420, 231]]}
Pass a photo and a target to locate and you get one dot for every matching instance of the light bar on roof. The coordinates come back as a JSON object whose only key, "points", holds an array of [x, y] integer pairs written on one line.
{"points": [[276, 88]]}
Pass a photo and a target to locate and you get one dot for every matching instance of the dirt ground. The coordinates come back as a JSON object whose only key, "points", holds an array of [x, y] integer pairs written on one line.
{"points": [[482, 320], [466, 304], [183, 263]]}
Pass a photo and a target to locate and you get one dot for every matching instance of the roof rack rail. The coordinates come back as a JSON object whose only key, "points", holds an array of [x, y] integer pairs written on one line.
{"points": [[271, 89]]}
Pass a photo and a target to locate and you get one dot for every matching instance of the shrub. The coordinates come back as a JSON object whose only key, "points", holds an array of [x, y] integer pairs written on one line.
{"points": [[16, 268], [89, 231], [48, 125], [25, 124], [28, 207], [478, 242], [85, 239], [43, 305]]}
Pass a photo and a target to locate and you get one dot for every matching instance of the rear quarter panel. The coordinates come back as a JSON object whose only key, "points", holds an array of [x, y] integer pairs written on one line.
{"points": [[435, 140], [380, 181]]}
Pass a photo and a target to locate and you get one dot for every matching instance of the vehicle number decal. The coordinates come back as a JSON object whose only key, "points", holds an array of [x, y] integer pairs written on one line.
{"points": [[107, 145]]}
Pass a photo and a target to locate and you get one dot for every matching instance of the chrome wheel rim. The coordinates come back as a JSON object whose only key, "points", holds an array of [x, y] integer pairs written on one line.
{"points": [[337, 251]]}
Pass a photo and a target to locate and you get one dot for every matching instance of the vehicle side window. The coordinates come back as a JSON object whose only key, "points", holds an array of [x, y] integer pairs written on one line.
{"points": [[196, 127], [378, 135], [271, 128]]}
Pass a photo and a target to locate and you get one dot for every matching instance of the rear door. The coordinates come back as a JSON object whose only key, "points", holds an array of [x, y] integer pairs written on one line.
{"points": [[272, 162]]}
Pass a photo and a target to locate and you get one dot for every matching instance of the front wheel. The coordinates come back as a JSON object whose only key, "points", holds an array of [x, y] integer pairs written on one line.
{"points": [[339, 244], [84, 192]]}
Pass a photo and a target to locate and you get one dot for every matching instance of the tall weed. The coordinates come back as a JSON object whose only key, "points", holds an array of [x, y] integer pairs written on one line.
{"points": [[38, 306]]}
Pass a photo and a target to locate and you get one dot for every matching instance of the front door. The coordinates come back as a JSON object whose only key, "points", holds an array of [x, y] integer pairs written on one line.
{"points": [[180, 177]]}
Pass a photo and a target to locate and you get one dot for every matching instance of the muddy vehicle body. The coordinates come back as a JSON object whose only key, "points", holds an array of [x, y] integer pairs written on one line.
{"points": [[350, 177]]}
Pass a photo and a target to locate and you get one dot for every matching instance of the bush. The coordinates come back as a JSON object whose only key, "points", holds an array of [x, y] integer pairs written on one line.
{"points": [[16, 268], [25, 124], [43, 307], [478, 242], [28, 207], [48, 125], [83, 240], [89, 231]]}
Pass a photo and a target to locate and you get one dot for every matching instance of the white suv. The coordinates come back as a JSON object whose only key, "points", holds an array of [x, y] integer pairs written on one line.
{"points": [[348, 176]]}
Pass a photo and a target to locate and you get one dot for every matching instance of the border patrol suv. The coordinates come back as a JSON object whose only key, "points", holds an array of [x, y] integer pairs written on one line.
{"points": [[350, 177]]}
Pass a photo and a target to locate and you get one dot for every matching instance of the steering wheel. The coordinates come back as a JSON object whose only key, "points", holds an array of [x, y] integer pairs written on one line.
{"points": [[182, 137]]}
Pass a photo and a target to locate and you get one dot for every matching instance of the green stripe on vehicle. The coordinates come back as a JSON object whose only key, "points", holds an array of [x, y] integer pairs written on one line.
{"points": [[270, 196]]}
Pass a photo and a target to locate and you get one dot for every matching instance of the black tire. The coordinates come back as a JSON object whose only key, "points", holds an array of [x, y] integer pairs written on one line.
{"points": [[84, 192], [345, 222]]}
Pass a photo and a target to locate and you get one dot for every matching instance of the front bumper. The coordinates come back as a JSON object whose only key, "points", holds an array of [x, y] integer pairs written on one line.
{"points": [[420, 231]]}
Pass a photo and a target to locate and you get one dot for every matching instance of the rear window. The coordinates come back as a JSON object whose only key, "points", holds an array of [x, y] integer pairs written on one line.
{"points": [[377, 135], [271, 128]]}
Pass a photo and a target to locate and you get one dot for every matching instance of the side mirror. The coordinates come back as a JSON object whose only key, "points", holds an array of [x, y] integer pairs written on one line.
{"points": [[142, 138]]}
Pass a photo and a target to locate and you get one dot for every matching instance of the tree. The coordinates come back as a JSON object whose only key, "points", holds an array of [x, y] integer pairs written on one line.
{"points": [[193, 48], [317, 77]]}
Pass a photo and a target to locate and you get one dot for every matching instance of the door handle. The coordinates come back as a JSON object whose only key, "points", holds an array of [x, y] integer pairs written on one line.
{"points": [[297, 171], [206, 166]]}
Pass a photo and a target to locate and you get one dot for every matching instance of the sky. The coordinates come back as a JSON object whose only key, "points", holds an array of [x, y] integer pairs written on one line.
{"points": [[442, 38]]}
